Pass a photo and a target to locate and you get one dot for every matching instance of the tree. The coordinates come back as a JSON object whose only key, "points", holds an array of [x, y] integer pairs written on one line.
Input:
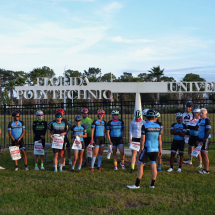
{"points": [[156, 74], [144, 77], [107, 77], [93, 74], [126, 77]]}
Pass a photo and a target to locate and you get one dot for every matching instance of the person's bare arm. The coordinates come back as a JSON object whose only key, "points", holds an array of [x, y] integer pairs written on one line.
{"points": [[160, 145], [11, 136]]}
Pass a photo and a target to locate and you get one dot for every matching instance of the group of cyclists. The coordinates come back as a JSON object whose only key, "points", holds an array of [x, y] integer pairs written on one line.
{"points": [[193, 126]]}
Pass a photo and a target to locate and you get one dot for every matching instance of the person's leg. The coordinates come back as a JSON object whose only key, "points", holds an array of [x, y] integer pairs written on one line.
{"points": [[172, 158], [101, 149], [115, 156], [42, 160], [62, 153], [122, 154], [36, 161], [55, 160], [159, 163], [68, 149], [181, 154], [16, 163], [81, 152], [205, 160], [133, 159], [24, 157], [139, 174], [200, 160], [93, 159], [154, 172], [75, 158]]}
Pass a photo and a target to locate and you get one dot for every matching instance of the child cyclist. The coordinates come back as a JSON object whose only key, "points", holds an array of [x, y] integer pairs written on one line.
{"points": [[178, 130], [157, 116], [39, 129], [98, 133], [135, 135], [78, 130], [116, 136]]}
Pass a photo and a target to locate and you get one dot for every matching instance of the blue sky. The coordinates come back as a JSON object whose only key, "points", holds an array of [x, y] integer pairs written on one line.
{"points": [[116, 36]]}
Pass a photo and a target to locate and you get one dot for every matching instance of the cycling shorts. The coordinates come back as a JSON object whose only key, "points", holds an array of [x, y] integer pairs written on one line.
{"points": [[177, 145], [83, 147], [192, 141], [205, 146], [20, 143], [87, 141], [99, 141], [136, 139], [117, 141], [66, 140], [144, 156]]}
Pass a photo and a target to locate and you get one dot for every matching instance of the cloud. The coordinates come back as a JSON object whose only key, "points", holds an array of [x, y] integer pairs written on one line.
{"points": [[112, 7], [130, 41]]}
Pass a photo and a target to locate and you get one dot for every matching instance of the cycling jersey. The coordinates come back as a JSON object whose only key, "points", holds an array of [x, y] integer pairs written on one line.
{"points": [[58, 128], [204, 128], [63, 120], [115, 128], [160, 123], [39, 128], [16, 128], [99, 128], [178, 127], [194, 128], [78, 130], [87, 122], [151, 130], [135, 129], [187, 117]]}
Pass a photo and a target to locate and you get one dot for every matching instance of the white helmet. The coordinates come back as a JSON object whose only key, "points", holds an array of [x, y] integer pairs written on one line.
{"points": [[39, 112], [197, 110], [178, 115], [144, 112]]}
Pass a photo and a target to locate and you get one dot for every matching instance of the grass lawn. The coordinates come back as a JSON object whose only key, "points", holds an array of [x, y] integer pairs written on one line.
{"points": [[46, 192]]}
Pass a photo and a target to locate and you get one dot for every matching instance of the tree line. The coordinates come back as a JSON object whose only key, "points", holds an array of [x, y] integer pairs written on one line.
{"points": [[10, 79]]}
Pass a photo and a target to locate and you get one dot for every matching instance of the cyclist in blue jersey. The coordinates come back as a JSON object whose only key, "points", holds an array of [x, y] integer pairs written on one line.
{"points": [[16, 132], [98, 138], [157, 116], [116, 136], [178, 130], [194, 130], [78, 130], [58, 126], [204, 124], [150, 147]]}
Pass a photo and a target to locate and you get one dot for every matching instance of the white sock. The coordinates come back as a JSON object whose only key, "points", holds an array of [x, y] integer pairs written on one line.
{"points": [[61, 166], [55, 166], [63, 163]]}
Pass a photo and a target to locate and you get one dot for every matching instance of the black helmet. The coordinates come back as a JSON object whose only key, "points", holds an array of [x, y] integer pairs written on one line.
{"points": [[78, 118], [189, 104], [15, 112], [150, 112]]}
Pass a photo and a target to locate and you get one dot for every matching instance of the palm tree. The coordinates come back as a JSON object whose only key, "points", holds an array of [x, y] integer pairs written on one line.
{"points": [[156, 74]]}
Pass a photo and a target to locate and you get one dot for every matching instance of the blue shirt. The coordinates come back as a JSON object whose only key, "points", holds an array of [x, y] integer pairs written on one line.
{"points": [[178, 127], [115, 128], [204, 124], [151, 130], [99, 128], [16, 128], [78, 130], [194, 128]]}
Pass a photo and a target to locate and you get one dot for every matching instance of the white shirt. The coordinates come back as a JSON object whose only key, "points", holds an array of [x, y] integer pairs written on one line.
{"points": [[187, 117], [135, 128]]}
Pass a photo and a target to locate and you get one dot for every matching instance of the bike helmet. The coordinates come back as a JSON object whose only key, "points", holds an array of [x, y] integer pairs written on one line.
{"points": [[39, 112], [78, 118], [137, 114], [58, 115], [60, 110], [197, 110], [115, 112], [101, 112], [177, 115], [144, 112], [84, 110], [150, 112], [14, 113], [157, 114], [189, 104]]}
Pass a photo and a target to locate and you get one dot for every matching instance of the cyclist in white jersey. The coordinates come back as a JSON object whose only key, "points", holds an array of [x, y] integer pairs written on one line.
{"points": [[186, 118], [135, 135]]}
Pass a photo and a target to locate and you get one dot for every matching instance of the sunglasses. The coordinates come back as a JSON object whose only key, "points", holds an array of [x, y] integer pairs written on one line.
{"points": [[115, 114], [84, 113], [17, 116], [39, 115]]}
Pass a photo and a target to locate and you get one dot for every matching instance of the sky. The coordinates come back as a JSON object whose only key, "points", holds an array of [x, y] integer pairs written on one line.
{"points": [[116, 36]]}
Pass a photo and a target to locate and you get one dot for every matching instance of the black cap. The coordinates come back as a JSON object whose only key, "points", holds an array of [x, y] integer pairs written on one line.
{"points": [[189, 104], [14, 113]]}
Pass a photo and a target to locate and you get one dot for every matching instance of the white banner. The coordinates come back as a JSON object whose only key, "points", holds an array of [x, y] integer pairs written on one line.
{"points": [[77, 143], [186, 138], [38, 148], [196, 151], [58, 141], [15, 153], [135, 146]]}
